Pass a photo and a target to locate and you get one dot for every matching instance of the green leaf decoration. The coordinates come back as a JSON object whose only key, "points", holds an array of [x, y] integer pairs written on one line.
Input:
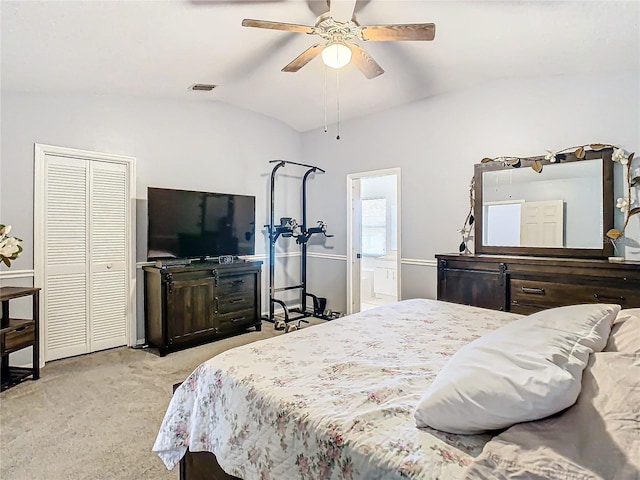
{"points": [[471, 219], [630, 158], [462, 247], [614, 234], [579, 153], [634, 211], [596, 146], [635, 181], [537, 166], [6, 261], [486, 160]]}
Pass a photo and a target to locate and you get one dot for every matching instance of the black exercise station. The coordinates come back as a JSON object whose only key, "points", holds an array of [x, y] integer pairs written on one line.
{"points": [[289, 227]]}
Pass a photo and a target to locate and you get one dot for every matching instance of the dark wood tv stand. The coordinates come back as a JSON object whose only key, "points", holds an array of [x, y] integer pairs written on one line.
{"points": [[190, 304]]}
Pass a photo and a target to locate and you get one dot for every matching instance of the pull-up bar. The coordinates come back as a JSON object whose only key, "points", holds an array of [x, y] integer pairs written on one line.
{"points": [[288, 227], [299, 164]]}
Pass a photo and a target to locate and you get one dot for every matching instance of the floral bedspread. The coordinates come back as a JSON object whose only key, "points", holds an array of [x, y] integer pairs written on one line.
{"points": [[332, 401]]}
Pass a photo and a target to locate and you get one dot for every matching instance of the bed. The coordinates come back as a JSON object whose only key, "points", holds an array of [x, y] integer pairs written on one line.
{"points": [[337, 401]]}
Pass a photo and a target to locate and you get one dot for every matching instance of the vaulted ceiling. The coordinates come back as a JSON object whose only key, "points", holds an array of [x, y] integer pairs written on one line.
{"points": [[161, 48]]}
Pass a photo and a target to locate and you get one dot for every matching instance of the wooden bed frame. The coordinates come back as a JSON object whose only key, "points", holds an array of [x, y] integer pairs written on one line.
{"points": [[201, 465]]}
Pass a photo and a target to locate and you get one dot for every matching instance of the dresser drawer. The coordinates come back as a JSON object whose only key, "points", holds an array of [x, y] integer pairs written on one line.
{"points": [[21, 333], [528, 296]]}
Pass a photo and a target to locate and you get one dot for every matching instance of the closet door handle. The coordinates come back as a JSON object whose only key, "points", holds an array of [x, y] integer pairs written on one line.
{"points": [[533, 291], [609, 297], [216, 304]]}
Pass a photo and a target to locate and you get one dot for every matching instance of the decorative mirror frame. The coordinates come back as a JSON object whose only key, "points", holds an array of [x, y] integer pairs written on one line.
{"points": [[607, 207]]}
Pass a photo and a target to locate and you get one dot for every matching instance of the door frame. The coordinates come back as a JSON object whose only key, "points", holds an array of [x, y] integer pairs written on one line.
{"points": [[39, 241], [351, 256]]}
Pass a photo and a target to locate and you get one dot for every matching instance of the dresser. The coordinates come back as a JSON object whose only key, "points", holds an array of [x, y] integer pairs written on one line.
{"points": [[525, 285]]}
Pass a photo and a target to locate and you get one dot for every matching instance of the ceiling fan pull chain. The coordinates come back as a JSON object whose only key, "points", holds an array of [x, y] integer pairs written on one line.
{"points": [[326, 129], [338, 103]]}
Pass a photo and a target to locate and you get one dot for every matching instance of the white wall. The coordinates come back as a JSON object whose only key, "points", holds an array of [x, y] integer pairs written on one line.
{"points": [[214, 147], [437, 141], [188, 145]]}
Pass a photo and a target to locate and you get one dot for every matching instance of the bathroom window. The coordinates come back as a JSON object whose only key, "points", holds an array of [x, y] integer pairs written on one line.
{"points": [[374, 227]]}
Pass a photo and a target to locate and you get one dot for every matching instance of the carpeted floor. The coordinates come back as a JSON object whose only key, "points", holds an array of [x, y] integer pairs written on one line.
{"points": [[96, 416]]}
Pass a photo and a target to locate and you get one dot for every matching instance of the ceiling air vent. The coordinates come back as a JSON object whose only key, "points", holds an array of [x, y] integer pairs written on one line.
{"points": [[202, 87]]}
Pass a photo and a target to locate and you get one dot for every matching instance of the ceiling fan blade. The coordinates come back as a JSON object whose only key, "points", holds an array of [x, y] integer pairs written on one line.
{"points": [[394, 33], [364, 62], [342, 10], [318, 7], [288, 27], [304, 58]]}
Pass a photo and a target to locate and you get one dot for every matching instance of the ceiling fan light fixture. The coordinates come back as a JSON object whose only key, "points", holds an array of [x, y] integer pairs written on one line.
{"points": [[336, 55]]}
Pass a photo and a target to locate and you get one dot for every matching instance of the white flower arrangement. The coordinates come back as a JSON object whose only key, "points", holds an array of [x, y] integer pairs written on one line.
{"points": [[550, 156], [620, 156], [10, 247], [624, 203]]}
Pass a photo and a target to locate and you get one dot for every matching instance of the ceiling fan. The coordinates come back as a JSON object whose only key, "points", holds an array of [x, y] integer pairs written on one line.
{"points": [[339, 30]]}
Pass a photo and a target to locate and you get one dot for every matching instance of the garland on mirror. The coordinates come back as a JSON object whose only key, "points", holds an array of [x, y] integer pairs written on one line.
{"points": [[620, 156], [466, 229]]}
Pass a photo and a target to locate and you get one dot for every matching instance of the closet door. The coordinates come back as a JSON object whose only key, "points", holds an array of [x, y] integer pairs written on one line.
{"points": [[86, 287], [108, 255], [66, 231]]}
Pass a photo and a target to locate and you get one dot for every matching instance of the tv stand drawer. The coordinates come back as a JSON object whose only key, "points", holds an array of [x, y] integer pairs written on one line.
{"points": [[236, 284]]}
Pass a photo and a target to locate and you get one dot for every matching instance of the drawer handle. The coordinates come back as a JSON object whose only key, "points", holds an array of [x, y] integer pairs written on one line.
{"points": [[237, 300], [237, 319], [20, 329], [533, 291], [611, 297], [515, 303], [237, 282]]}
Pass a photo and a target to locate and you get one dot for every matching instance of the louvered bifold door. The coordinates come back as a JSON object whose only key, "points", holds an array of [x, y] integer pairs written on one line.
{"points": [[108, 255], [66, 222]]}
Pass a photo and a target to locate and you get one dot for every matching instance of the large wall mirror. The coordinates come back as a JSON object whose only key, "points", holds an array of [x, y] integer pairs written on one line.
{"points": [[564, 210]]}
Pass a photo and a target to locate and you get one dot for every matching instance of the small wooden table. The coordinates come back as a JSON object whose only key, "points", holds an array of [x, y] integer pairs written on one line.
{"points": [[16, 334]]}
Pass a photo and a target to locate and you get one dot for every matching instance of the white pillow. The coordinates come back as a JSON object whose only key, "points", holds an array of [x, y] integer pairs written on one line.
{"points": [[625, 332], [524, 371]]}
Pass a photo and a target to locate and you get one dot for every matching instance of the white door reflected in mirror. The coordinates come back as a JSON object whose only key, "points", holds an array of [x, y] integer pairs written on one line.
{"points": [[541, 224]]}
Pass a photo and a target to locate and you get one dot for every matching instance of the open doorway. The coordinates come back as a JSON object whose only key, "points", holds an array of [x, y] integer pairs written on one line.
{"points": [[373, 263]]}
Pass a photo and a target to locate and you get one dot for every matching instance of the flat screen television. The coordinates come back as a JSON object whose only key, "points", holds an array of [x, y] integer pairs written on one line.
{"points": [[188, 224]]}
